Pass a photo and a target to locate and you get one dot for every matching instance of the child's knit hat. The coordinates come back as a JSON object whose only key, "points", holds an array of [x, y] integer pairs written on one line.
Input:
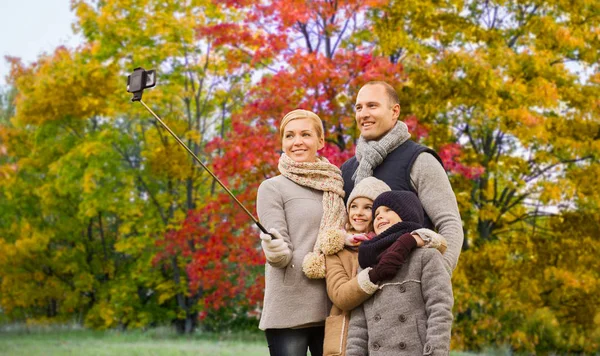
{"points": [[369, 188], [405, 203]]}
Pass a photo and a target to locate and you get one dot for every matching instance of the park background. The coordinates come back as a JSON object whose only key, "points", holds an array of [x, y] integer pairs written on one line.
{"points": [[105, 222]]}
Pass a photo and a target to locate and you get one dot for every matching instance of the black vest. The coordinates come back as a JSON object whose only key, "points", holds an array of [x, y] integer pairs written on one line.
{"points": [[394, 170]]}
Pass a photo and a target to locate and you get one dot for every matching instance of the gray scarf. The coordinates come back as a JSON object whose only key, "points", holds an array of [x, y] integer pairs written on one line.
{"points": [[370, 154]]}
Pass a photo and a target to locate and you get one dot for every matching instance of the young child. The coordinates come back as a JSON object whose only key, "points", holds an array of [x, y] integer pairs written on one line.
{"points": [[411, 313], [347, 288]]}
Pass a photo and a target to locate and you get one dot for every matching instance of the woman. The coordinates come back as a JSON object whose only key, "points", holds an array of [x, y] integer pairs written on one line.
{"points": [[298, 207]]}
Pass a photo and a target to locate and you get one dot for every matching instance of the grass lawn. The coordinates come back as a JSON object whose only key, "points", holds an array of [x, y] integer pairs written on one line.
{"points": [[153, 342], [56, 340]]}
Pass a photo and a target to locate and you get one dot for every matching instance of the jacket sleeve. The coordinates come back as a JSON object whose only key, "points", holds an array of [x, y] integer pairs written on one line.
{"points": [[358, 337], [432, 239], [431, 183], [343, 290], [270, 209], [437, 294]]}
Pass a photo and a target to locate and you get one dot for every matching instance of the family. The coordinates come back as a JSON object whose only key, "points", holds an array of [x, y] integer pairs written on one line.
{"points": [[359, 260]]}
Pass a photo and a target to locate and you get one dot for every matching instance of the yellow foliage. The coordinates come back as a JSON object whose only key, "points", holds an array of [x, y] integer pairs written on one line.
{"points": [[551, 193], [166, 291]]}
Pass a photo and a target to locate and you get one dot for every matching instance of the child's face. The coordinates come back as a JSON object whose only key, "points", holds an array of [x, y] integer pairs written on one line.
{"points": [[384, 218], [360, 214]]}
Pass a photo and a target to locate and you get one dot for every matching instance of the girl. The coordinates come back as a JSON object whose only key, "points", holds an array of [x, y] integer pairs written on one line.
{"points": [[411, 313], [346, 288]]}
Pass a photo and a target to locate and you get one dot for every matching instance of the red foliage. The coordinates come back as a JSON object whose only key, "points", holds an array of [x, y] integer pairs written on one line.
{"points": [[335, 155], [218, 241], [450, 155], [417, 130], [221, 254]]}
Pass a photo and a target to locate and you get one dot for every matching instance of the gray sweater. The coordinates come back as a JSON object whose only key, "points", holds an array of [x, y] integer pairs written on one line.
{"points": [[291, 299], [433, 188], [411, 314]]}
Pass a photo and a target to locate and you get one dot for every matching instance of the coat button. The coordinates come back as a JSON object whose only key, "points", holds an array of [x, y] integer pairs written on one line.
{"points": [[402, 345], [377, 317], [375, 346], [402, 289], [402, 318], [428, 348]]}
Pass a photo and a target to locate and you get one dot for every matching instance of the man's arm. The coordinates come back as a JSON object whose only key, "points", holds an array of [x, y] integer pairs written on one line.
{"points": [[431, 183]]}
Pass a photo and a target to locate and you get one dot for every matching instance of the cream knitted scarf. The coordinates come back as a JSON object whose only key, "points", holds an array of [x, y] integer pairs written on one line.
{"points": [[326, 177], [370, 154]]}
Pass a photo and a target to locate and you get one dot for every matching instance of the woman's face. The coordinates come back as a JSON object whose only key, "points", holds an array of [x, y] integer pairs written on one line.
{"points": [[360, 214], [385, 218], [300, 140]]}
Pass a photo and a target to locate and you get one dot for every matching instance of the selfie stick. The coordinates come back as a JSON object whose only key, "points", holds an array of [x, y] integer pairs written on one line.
{"points": [[137, 96]]}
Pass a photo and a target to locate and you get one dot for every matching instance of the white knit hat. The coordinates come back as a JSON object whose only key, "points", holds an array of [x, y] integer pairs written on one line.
{"points": [[369, 188]]}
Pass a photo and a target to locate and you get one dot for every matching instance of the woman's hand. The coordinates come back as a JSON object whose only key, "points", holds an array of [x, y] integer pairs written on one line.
{"points": [[276, 250]]}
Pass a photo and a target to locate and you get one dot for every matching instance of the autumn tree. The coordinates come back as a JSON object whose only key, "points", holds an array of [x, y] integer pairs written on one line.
{"points": [[515, 84], [324, 67], [325, 62], [201, 83], [61, 188]]}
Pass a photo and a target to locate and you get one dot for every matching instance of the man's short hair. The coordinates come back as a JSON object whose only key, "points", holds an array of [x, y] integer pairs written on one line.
{"points": [[391, 92]]}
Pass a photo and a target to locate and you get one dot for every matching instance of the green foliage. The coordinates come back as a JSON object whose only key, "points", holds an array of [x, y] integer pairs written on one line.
{"points": [[96, 186]]}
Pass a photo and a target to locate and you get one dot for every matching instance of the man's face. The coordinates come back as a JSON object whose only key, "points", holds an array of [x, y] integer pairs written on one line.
{"points": [[375, 114]]}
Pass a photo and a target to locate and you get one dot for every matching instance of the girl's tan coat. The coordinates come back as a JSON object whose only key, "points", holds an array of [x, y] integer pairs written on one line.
{"points": [[346, 293]]}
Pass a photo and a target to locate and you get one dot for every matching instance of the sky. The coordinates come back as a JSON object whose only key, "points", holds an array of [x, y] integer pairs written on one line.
{"points": [[31, 27]]}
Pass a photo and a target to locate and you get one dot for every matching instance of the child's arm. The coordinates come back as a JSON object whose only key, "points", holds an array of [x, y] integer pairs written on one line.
{"points": [[345, 292], [393, 258], [432, 239], [437, 294], [358, 336]]}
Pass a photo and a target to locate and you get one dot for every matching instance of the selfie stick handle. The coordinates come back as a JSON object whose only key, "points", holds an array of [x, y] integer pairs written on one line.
{"points": [[262, 228]]}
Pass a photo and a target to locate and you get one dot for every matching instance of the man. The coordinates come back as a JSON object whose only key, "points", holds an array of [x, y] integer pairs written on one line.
{"points": [[385, 151]]}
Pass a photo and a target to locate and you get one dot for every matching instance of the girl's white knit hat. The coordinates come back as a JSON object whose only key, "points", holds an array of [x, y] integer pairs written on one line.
{"points": [[369, 188]]}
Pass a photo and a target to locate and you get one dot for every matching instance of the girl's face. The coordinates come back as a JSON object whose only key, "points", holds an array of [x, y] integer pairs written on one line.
{"points": [[360, 214], [384, 218], [300, 140]]}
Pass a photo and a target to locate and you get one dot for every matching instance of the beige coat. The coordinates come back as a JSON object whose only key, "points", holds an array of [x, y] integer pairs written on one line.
{"points": [[346, 291], [291, 299]]}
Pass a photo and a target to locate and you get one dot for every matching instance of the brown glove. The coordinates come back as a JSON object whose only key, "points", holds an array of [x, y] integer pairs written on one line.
{"points": [[393, 258]]}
